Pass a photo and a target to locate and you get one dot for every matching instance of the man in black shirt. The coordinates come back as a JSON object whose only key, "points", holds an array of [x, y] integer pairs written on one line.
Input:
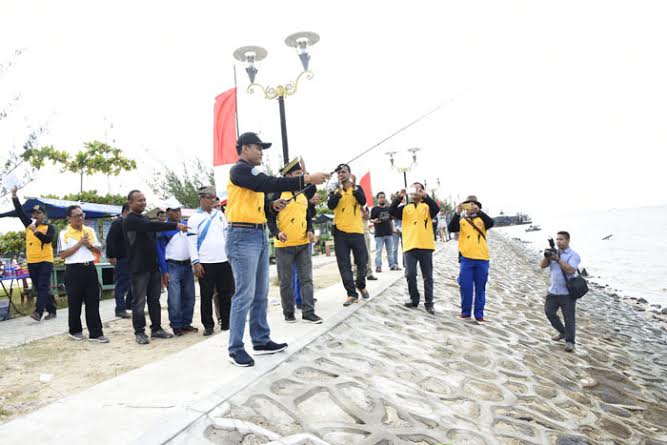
{"points": [[144, 271], [117, 255], [384, 230]]}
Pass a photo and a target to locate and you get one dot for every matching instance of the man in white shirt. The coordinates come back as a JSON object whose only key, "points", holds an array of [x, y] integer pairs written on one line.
{"points": [[174, 262], [77, 245], [206, 238]]}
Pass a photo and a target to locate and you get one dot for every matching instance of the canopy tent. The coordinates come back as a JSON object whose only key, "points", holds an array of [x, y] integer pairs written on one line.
{"points": [[57, 208]]}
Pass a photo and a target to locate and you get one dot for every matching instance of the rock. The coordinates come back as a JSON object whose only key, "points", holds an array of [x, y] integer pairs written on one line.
{"points": [[664, 311], [640, 309], [641, 301], [588, 382]]}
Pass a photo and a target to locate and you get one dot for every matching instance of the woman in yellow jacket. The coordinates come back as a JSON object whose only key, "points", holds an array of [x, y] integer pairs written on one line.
{"points": [[472, 224]]}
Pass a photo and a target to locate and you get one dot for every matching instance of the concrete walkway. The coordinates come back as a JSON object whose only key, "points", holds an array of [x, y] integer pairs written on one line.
{"points": [[154, 403], [23, 330]]}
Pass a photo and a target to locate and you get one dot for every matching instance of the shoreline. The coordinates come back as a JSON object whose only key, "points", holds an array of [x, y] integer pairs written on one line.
{"points": [[653, 312]]}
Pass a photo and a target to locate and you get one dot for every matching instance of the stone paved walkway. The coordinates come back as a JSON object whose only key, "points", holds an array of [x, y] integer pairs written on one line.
{"points": [[392, 375]]}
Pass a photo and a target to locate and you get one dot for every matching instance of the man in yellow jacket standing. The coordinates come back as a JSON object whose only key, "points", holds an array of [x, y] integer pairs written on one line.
{"points": [[418, 241], [472, 225]]}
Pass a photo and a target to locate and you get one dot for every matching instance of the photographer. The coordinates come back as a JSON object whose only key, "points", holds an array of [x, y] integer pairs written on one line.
{"points": [[472, 225], [561, 261]]}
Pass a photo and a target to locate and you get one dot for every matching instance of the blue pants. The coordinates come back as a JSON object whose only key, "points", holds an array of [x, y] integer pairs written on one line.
{"points": [[474, 273], [388, 243], [296, 285], [122, 287], [181, 295], [40, 275], [396, 238], [248, 252]]}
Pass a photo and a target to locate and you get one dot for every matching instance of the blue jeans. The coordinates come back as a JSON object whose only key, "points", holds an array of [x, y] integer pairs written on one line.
{"points": [[474, 273], [296, 284], [387, 241], [40, 275], [248, 252], [122, 287], [393, 258], [181, 295]]}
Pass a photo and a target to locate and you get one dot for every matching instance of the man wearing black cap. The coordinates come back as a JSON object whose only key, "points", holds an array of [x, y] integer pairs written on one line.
{"points": [[174, 261], [206, 240], [293, 229], [117, 255], [142, 255], [347, 202], [248, 244], [39, 250], [472, 225]]}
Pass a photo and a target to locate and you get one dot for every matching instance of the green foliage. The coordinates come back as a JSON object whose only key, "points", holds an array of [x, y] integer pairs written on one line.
{"points": [[12, 243], [322, 206], [182, 184], [92, 196], [97, 157]]}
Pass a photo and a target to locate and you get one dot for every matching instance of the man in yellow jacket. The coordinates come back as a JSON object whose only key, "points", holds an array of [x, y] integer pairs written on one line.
{"points": [[472, 225], [418, 241]]}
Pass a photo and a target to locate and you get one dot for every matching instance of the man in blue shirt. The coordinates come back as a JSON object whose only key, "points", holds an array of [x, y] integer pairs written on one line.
{"points": [[564, 260]]}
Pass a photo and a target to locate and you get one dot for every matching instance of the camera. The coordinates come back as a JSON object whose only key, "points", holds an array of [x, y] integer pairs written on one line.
{"points": [[551, 251]]}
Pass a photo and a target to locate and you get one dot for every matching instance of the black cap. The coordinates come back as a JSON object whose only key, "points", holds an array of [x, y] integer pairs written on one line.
{"points": [[38, 208], [290, 167], [251, 138]]}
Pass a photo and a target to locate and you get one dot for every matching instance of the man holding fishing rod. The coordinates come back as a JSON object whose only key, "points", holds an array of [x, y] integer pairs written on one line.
{"points": [[248, 244], [347, 202]]}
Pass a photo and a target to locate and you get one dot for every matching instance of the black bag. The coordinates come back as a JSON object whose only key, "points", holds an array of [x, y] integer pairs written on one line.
{"points": [[577, 287]]}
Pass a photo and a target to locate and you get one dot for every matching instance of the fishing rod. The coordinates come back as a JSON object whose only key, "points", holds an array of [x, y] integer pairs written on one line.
{"points": [[373, 147]]}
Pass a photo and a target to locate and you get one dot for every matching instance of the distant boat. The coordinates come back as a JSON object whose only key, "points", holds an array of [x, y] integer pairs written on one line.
{"points": [[533, 228], [607, 237]]}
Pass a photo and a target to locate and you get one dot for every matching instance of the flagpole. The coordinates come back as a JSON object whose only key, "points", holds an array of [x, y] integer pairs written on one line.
{"points": [[236, 103]]}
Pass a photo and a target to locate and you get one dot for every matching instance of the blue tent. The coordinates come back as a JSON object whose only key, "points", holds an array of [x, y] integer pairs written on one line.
{"points": [[56, 208]]}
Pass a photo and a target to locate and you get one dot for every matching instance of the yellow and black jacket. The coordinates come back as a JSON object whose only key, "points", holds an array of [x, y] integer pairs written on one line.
{"points": [[295, 220], [472, 244], [38, 247], [417, 223], [347, 209], [246, 189]]}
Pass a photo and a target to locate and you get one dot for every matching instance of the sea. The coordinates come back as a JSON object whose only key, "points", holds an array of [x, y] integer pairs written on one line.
{"points": [[632, 261]]}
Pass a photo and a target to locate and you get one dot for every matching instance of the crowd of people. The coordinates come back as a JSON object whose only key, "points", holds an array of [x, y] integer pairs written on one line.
{"points": [[227, 251]]}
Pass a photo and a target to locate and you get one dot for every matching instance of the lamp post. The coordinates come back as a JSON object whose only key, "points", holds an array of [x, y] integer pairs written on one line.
{"points": [[403, 168], [251, 55]]}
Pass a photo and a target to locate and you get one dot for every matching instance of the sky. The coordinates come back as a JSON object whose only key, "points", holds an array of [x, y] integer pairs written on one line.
{"points": [[551, 106]]}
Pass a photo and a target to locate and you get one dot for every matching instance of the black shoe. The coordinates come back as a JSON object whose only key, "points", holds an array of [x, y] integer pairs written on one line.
{"points": [[269, 348], [178, 332], [241, 359], [142, 339], [50, 316], [289, 318], [208, 331], [372, 278], [36, 316], [395, 268], [430, 310], [190, 329], [161, 333], [378, 270], [224, 328], [364, 294], [410, 304], [123, 314], [299, 306], [312, 318], [350, 300]]}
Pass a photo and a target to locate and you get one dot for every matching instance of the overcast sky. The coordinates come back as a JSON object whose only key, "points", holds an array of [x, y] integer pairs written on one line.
{"points": [[555, 104]]}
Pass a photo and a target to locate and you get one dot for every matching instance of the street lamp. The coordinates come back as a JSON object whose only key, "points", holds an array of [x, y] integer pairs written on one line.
{"points": [[403, 168], [250, 55]]}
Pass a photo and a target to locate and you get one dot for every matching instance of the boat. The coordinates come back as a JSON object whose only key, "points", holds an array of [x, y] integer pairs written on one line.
{"points": [[533, 228]]}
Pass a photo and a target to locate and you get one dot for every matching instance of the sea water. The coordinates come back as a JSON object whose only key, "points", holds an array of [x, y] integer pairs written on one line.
{"points": [[633, 260]]}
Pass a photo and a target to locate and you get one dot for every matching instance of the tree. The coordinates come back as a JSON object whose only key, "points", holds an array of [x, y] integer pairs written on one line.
{"points": [[182, 185], [12, 243], [97, 157], [92, 196]]}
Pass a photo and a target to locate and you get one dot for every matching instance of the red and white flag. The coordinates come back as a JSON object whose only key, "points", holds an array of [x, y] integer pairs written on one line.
{"points": [[365, 184], [224, 129]]}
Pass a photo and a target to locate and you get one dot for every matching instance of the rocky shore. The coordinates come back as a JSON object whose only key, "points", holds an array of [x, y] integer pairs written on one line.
{"points": [[392, 375]]}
